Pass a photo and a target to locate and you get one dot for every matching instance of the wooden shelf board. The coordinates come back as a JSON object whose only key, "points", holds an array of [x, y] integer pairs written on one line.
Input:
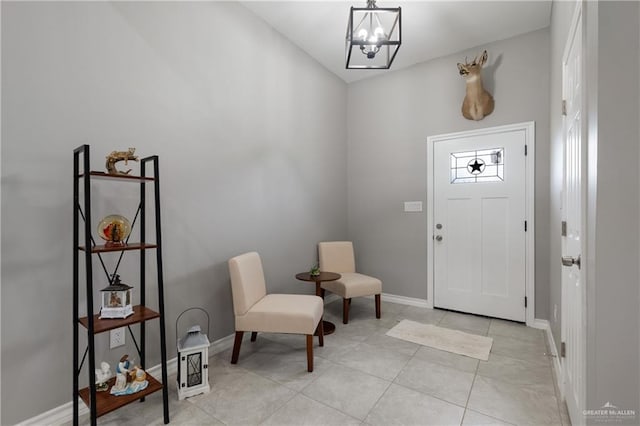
{"points": [[106, 403], [140, 314], [101, 248], [107, 176]]}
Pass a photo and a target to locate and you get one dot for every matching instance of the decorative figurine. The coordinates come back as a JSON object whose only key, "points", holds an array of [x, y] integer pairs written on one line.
{"points": [[129, 379], [315, 271], [139, 380], [114, 229], [116, 299], [102, 377], [117, 156], [122, 374]]}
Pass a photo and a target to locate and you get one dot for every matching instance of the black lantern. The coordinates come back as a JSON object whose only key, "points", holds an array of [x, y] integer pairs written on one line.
{"points": [[373, 36]]}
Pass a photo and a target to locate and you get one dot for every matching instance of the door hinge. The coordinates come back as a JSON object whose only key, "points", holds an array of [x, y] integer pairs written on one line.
{"points": [[563, 349], [564, 107], [525, 301], [525, 226], [526, 149], [564, 228]]}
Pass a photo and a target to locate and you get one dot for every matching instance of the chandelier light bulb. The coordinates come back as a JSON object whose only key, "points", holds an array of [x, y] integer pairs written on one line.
{"points": [[362, 34]]}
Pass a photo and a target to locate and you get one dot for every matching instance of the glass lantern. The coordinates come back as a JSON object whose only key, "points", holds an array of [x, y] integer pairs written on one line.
{"points": [[193, 360], [116, 300]]}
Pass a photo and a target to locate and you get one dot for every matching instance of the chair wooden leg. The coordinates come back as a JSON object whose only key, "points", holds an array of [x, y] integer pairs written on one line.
{"points": [[309, 353], [320, 332], [345, 310], [378, 306], [236, 347], [254, 335]]}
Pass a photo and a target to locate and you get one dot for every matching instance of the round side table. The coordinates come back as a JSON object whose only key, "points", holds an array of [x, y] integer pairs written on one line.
{"points": [[328, 326]]}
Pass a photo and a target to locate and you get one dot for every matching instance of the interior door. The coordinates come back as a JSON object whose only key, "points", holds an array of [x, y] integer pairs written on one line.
{"points": [[573, 291], [479, 224]]}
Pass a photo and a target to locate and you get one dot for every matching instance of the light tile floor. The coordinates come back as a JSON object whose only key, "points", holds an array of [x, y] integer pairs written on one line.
{"points": [[363, 377]]}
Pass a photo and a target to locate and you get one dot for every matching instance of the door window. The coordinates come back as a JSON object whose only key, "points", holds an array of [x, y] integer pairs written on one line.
{"points": [[486, 165]]}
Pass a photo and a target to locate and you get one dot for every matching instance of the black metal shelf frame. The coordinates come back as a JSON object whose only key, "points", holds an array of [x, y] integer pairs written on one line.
{"points": [[82, 215]]}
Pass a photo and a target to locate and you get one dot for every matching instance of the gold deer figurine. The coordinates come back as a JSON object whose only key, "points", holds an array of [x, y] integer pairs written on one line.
{"points": [[477, 103], [117, 156]]}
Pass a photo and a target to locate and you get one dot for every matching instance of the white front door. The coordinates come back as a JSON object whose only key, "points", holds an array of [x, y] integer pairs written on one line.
{"points": [[479, 223], [573, 291]]}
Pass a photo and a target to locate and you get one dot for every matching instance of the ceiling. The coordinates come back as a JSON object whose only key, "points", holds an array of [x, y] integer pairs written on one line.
{"points": [[430, 29]]}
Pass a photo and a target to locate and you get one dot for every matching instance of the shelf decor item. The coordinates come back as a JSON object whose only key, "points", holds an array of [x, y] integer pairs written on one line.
{"points": [[129, 379], [102, 377], [116, 299], [114, 229], [117, 156], [193, 360]]}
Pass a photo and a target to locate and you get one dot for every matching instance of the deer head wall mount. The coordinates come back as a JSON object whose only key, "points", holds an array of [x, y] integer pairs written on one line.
{"points": [[477, 103]]}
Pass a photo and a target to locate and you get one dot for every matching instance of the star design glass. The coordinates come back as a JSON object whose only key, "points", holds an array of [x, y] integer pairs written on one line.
{"points": [[485, 165]]}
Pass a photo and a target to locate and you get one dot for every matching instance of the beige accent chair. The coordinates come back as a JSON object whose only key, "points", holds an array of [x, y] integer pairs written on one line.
{"points": [[337, 256], [255, 310]]}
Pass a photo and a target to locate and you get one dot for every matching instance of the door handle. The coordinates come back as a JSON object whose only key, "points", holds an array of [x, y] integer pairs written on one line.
{"points": [[570, 261], [438, 237]]}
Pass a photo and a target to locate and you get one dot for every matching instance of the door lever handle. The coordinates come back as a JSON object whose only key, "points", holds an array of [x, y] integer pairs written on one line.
{"points": [[570, 261]]}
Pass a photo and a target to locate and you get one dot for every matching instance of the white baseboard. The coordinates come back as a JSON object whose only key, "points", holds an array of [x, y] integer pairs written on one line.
{"points": [[557, 366], [403, 300], [541, 324], [221, 345], [57, 416], [64, 413], [386, 297]]}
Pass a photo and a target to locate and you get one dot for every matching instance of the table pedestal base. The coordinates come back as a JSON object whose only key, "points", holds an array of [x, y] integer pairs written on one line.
{"points": [[328, 328]]}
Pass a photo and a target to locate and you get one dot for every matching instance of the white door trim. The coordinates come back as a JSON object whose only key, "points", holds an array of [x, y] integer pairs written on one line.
{"points": [[529, 130]]}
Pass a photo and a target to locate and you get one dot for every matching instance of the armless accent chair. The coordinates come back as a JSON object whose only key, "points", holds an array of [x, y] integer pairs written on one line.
{"points": [[337, 256], [255, 310]]}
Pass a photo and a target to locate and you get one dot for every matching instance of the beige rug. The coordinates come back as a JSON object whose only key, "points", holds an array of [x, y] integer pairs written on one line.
{"points": [[445, 339]]}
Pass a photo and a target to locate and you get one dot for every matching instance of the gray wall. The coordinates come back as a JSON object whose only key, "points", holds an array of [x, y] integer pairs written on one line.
{"points": [[613, 358], [251, 134], [561, 15], [390, 118]]}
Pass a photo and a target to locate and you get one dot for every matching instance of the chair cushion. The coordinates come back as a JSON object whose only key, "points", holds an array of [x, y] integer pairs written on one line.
{"points": [[247, 281], [283, 313], [336, 256], [352, 284]]}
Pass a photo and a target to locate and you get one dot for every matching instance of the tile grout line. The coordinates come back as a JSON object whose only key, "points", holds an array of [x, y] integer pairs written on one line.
{"points": [[391, 382], [475, 375]]}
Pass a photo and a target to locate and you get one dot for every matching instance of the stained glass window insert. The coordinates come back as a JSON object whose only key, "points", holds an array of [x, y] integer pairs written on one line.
{"points": [[485, 165]]}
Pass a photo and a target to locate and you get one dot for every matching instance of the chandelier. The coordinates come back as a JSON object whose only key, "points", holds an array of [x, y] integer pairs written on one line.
{"points": [[373, 36]]}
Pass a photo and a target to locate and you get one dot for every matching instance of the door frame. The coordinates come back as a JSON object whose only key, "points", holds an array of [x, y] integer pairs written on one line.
{"points": [[529, 131]]}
